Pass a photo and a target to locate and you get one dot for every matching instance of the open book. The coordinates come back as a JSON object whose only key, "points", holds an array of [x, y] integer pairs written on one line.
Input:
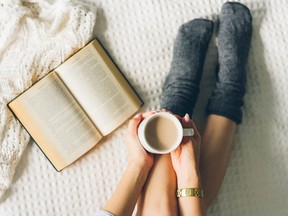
{"points": [[69, 110]]}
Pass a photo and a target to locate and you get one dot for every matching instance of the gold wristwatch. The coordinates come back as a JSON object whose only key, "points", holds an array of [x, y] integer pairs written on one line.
{"points": [[186, 192]]}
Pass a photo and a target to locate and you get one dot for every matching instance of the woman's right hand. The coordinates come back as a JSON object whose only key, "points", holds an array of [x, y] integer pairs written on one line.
{"points": [[185, 159], [137, 155]]}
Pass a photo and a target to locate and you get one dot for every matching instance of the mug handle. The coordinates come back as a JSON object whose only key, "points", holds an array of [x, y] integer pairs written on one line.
{"points": [[188, 132]]}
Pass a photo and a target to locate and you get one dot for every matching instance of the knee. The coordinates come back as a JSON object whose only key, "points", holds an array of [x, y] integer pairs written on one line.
{"points": [[163, 208]]}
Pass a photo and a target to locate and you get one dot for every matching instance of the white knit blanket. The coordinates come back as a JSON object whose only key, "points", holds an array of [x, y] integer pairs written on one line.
{"points": [[139, 36], [36, 36]]}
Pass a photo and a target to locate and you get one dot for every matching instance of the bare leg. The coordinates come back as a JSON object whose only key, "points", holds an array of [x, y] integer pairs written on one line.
{"points": [[216, 147], [158, 196], [234, 37], [180, 93]]}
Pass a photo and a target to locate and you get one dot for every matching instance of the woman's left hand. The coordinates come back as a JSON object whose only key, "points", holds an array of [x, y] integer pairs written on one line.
{"points": [[185, 159]]}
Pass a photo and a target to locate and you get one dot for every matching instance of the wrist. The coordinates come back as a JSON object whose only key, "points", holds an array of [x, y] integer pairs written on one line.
{"points": [[188, 180], [139, 166], [139, 172]]}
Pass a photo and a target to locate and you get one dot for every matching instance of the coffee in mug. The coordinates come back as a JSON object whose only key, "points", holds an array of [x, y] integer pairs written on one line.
{"points": [[162, 132]]}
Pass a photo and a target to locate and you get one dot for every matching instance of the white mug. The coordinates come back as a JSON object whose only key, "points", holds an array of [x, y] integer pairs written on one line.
{"points": [[180, 132]]}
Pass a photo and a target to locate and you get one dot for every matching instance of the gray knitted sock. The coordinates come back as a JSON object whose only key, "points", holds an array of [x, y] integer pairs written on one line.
{"points": [[181, 87], [234, 36]]}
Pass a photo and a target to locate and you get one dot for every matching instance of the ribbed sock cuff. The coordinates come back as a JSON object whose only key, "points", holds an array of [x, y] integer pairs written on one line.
{"points": [[176, 109], [223, 108], [179, 103]]}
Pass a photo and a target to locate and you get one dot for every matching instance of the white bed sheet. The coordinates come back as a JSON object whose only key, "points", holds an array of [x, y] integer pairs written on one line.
{"points": [[139, 36]]}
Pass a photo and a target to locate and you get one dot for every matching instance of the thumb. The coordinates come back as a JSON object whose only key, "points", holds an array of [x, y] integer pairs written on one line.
{"points": [[133, 124], [186, 121]]}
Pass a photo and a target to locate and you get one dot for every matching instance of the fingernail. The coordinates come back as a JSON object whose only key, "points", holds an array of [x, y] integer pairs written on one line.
{"points": [[186, 117], [137, 115]]}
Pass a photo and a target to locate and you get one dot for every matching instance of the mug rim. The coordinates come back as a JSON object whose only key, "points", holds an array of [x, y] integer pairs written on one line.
{"points": [[144, 141]]}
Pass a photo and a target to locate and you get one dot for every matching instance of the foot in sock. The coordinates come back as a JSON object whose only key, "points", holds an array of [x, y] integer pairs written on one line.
{"points": [[234, 37], [181, 87]]}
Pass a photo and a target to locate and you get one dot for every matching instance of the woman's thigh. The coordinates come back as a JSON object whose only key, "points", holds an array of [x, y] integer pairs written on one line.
{"points": [[158, 196]]}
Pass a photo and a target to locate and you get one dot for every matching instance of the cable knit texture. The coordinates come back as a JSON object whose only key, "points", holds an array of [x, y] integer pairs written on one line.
{"points": [[36, 36]]}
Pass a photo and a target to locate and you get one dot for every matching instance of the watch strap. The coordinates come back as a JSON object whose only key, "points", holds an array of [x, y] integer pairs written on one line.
{"points": [[188, 192]]}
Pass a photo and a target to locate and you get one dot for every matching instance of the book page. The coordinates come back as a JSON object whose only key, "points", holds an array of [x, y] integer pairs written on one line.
{"points": [[107, 101], [55, 121]]}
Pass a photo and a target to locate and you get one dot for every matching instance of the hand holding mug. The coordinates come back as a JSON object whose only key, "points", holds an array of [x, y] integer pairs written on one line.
{"points": [[136, 153], [185, 159]]}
